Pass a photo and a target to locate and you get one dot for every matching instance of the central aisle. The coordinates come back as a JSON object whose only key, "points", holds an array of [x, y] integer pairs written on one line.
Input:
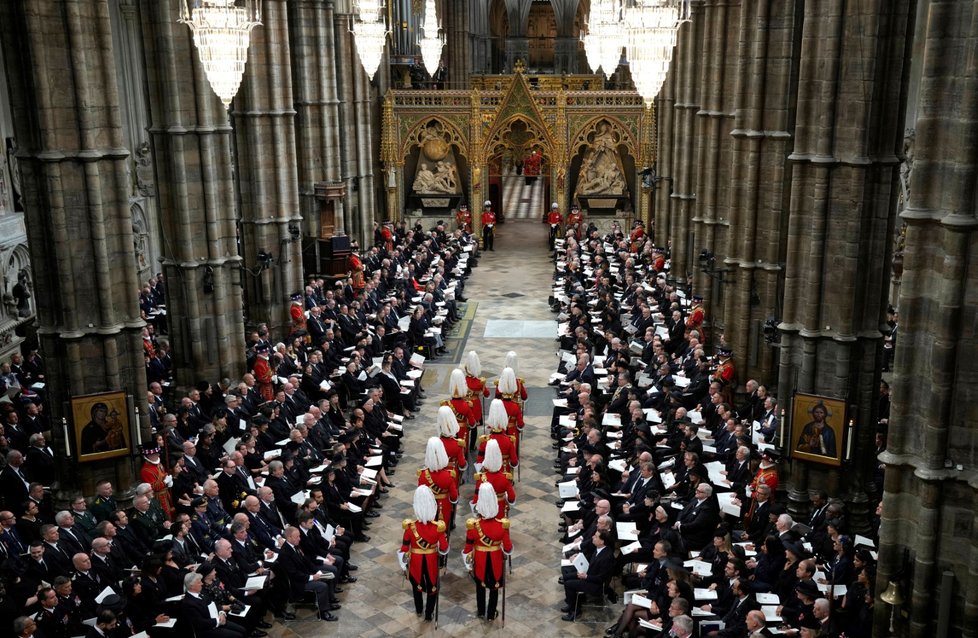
{"points": [[510, 284]]}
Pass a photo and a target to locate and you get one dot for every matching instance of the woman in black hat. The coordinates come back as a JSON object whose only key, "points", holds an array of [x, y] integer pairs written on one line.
{"points": [[770, 563]]}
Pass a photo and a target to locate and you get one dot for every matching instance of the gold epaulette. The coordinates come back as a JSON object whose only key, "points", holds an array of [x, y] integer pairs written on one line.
{"points": [[406, 523], [509, 475], [420, 470], [461, 442], [440, 526], [483, 438], [477, 476], [504, 522], [445, 402], [470, 523], [451, 473]]}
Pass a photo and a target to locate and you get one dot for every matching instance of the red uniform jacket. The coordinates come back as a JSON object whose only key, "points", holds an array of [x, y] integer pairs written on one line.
{"points": [[477, 386], [155, 475], [298, 315], [489, 539], [575, 217], [696, 318], [554, 217], [455, 448], [444, 485], [488, 217], [464, 218], [507, 447], [515, 425], [263, 375], [424, 541], [502, 482], [520, 391], [465, 417]]}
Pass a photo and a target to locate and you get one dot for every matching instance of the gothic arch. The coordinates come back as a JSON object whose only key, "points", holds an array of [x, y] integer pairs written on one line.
{"points": [[581, 137], [415, 136], [501, 138]]}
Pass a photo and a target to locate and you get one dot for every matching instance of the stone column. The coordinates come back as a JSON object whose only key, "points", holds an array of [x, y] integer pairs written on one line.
{"points": [[759, 180], [679, 138], [191, 142], [66, 119], [268, 191], [718, 55], [843, 193], [930, 488], [312, 43]]}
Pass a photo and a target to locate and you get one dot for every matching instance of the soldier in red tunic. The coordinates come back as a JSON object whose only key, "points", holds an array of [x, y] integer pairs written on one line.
{"points": [[575, 218], [463, 218], [263, 374], [512, 361], [461, 406], [157, 477], [492, 473], [637, 236], [555, 219], [359, 282], [724, 374], [424, 539], [476, 384], [507, 388], [454, 447], [297, 313], [697, 314], [767, 474], [487, 543], [441, 479], [488, 220], [387, 234], [497, 422]]}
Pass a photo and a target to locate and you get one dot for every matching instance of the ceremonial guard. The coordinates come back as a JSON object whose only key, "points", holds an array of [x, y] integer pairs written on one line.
{"points": [[462, 407], [476, 384], [357, 278], [767, 474], [454, 447], [506, 386], [488, 226], [263, 374], [487, 543], [724, 374], [512, 361], [555, 219], [441, 479], [297, 313], [497, 422], [423, 540], [575, 219], [463, 218], [492, 473], [637, 236], [387, 234], [697, 314], [157, 477]]}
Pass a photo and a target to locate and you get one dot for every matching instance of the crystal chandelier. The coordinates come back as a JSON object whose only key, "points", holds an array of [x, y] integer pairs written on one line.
{"points": [[604, 38], [370, 34], [431, 43], [651, 28], [221, 31]]}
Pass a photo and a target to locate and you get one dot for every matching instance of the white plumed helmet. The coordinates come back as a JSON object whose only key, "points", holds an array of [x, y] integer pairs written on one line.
{"points": [[425, 507], [493, 457], [457, 385], [507, 381], [472, 364], [447, 423], [487, 504], [435, 457], [497, 419]]}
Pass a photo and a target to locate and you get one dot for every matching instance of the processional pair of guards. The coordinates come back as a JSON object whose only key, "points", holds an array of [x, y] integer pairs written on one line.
{"points": [[487, 533]]}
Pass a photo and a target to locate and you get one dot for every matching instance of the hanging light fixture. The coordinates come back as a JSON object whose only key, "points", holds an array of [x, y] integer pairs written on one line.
{"points": [[222, 30], [431, 43], [370, 34], [651, 29], [604, 38]]}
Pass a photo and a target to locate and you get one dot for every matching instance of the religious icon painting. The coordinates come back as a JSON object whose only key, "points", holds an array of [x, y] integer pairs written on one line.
{"points": [[818, 428], [101, 425]]}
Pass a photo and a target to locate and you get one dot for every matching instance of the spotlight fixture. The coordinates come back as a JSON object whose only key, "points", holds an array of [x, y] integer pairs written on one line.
{"points": [[264, 259], [294, 231], [771, 333]]}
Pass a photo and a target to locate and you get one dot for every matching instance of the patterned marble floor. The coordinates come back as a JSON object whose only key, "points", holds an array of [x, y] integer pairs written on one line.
{"points": [[522, 201], [513, 284]]}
